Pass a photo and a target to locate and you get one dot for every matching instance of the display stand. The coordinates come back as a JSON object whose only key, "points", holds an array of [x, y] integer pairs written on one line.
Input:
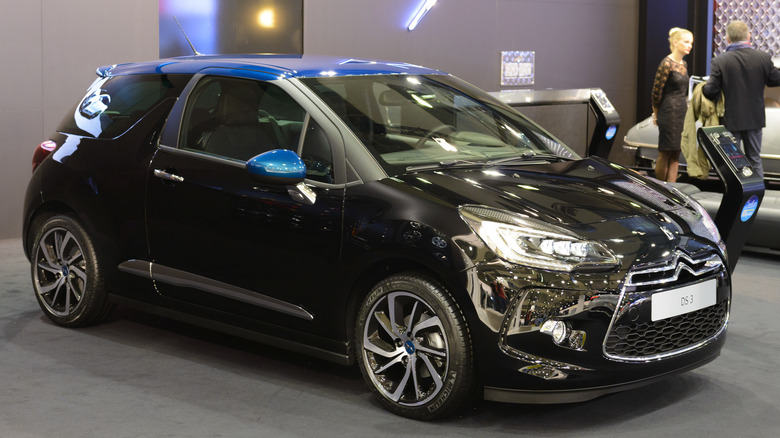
{"points": [[744, 188]]}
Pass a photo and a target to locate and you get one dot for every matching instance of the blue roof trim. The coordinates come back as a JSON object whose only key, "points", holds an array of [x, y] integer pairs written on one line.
{"points": [[281, 66]]}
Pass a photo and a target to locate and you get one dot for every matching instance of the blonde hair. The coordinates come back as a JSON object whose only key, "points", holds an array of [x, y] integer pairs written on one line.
{"points": [[676, 34]]}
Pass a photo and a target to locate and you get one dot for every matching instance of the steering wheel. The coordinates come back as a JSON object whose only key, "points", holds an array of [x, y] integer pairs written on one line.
{"points": [[437, 130]]}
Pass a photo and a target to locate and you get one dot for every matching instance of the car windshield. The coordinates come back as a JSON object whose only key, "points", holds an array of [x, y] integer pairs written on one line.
{"points": [[415, 121]]}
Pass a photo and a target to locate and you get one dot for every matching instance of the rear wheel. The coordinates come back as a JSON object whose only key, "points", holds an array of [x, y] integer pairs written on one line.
{"points": [[67, 274], [414, 348]]}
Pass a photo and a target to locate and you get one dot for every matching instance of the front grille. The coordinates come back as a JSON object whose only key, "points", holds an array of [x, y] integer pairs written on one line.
{"points": [[633, 336], [648, 339], [671, 271]]}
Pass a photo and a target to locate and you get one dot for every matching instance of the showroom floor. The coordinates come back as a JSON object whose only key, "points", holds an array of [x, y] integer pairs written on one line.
{"points": [[141, 376]]}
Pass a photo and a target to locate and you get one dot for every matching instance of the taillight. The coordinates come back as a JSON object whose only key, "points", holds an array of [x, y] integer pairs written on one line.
{"points": [[42, 151]]}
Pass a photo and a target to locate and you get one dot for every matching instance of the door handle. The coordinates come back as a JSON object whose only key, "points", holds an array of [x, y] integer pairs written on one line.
{"points": [[167, 176]]}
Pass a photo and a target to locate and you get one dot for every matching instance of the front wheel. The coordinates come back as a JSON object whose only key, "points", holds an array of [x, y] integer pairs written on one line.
{"points": [[414, 348], [67, 274]]}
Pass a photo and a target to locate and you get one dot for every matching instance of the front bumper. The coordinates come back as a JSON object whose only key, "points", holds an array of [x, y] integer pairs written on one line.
{"points": [[539, 396], [610, 341]]}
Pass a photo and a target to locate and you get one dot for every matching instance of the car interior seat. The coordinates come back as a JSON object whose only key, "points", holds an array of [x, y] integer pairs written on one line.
{"points": [[239, 134]]}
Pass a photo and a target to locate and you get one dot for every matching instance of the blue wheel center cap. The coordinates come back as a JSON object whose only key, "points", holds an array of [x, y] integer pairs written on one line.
{"points": [[65, 271], [409, 347]]}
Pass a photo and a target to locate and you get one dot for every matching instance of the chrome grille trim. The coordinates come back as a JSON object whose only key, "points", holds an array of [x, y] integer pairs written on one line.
{"points": [[670, 272], [666, 342], [710, 265]]}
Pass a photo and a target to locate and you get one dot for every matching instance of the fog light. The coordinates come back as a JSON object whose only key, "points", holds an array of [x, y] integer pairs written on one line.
{"points": [[557, 329], [577, 340]]}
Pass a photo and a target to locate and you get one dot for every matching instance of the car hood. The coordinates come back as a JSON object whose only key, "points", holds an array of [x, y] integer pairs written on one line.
{"points": [[580, 192]]}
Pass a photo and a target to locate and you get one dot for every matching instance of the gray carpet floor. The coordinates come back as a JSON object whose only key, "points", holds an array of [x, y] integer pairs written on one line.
{"points": [[142, 376]]}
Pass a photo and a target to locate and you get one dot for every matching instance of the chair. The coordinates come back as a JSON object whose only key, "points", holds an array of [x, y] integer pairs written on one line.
{"points": [[239, 134]]}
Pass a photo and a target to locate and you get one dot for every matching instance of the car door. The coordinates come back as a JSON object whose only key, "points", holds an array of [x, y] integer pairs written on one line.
{"points": [[223, 241]]}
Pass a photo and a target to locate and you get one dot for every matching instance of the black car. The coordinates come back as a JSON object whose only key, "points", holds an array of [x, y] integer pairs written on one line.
{"points": [[372, 212]]}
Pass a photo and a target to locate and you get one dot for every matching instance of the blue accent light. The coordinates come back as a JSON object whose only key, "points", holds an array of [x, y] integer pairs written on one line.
{"points": [[750, 207], [278, 164], [611, 132], [424, 8]]}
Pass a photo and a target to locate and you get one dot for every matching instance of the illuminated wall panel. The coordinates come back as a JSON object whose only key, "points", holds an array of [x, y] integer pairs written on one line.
{"points": [[762, 16], [231, 26]]}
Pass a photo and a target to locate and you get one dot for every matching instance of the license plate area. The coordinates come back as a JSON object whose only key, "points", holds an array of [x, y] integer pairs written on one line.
{"points": [[683, 300]]}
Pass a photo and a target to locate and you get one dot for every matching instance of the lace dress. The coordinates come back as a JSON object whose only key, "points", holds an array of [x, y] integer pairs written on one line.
{"points": [[670, 89]]}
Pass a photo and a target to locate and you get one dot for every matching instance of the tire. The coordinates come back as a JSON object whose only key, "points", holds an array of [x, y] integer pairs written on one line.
{"points": [[67, 274], [416, 358]]}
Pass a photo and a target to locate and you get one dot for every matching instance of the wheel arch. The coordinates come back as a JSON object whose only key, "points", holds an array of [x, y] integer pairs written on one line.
{"points": [[39, 216], [374, 273], [461, 378], [53, 208]]}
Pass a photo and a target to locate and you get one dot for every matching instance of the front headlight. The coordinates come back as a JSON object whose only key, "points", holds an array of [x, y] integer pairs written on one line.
{"points": [[536, 244]]}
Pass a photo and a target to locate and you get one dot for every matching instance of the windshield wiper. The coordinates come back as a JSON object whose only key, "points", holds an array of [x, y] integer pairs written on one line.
{"points": [[527, 157], [524, 158], [444, 164]]}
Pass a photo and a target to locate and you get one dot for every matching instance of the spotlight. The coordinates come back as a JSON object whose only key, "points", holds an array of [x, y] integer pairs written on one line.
{"points": [[266, 18]]}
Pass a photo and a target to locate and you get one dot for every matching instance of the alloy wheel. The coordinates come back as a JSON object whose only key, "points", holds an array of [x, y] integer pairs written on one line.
{"points": [[405, 346], [60, 272]]}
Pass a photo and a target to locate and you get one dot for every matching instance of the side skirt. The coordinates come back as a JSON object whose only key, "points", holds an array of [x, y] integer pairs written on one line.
{"points": [[342, 359], [181, 278]]}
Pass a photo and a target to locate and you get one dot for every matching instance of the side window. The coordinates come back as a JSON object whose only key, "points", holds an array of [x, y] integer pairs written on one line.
{"points": [[240, 118], [113, 104], [281, 114], [316, 154], [201, 117]]}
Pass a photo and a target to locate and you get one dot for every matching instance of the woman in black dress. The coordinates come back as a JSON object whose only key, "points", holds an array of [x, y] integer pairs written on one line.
{"points": [[670, 103]]}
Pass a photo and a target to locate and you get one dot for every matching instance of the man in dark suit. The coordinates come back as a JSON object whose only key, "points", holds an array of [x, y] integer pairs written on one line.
{"points": [[741, 73]]}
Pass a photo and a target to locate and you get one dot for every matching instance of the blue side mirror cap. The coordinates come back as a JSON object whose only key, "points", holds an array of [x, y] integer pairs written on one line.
{"points": [[279, 166]]}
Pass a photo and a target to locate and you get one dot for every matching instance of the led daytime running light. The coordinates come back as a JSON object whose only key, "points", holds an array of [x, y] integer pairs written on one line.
{"points": [[534, 243]]}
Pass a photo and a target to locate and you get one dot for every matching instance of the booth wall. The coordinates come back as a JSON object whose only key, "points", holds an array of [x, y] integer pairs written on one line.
{"points": [[577, 43], [50, 51]]}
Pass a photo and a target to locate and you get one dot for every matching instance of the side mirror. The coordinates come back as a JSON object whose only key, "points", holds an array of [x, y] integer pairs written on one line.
{"points": [[283, 167], [279, 166]]}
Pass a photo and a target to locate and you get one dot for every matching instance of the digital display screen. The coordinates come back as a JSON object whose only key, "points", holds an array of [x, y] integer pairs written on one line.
{"points": [[732, 151], [601, 99]]}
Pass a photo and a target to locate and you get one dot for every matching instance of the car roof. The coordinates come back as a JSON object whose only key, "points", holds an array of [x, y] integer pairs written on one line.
{"points": [[282, 66]]}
